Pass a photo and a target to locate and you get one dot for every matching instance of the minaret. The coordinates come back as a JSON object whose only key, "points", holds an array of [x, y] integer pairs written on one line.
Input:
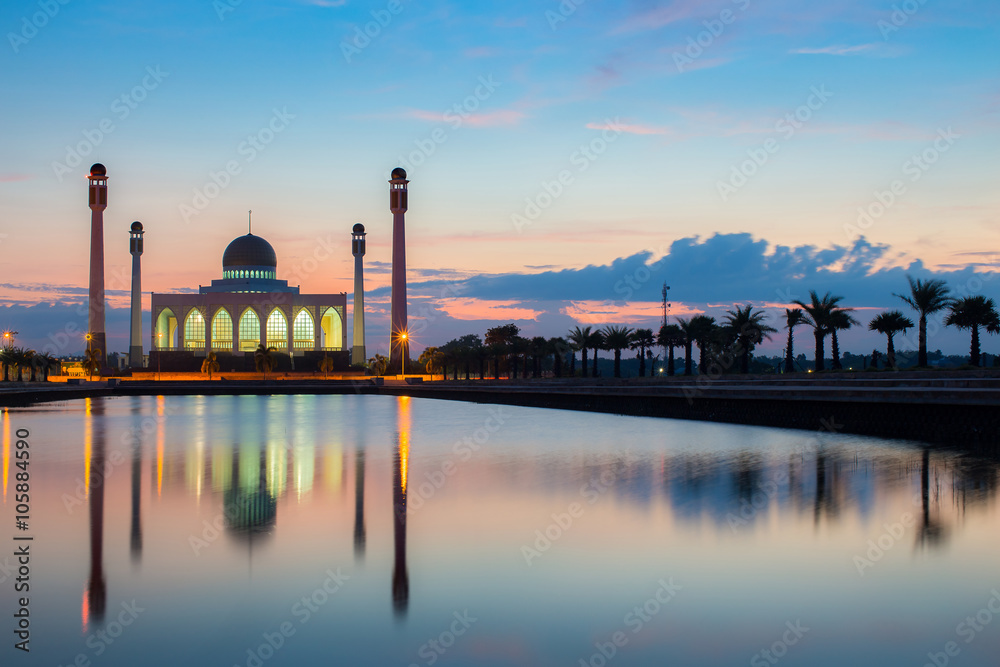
{"points": [[135, 332], [358, 357], [399, 346], [98, 202]]}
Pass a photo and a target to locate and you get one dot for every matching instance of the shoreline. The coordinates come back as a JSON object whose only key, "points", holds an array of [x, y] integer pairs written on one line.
{"points": [[959, 410]]}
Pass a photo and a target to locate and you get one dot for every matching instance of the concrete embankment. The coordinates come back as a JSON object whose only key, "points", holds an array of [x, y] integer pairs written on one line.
{"points": [[956, 409]]}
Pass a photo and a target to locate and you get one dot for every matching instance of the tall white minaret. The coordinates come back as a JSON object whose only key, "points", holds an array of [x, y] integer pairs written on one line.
{"points": [[399, 344], [98, 202], [358, 248], [135, 332]]}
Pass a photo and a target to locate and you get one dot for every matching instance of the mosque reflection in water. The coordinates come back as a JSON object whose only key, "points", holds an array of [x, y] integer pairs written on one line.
{"points": [[251, 466], [251, 475]]}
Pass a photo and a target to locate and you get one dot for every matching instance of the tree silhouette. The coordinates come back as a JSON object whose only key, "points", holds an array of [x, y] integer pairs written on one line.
{"points": [[701, 330], [793, 318], [499, 339], [616, 339], [671, 336], [820, 315], [263, 359], [926, 297], [840, 320], [379, 365], [747, 329], [580, 338], [91, 361], [972, 312], [890, 323], [326, 366], [642, 340], [685, 327], [210, 365]]}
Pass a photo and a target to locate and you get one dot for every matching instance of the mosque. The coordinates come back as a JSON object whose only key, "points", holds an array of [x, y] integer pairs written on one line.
{"points": [[246, 307]]}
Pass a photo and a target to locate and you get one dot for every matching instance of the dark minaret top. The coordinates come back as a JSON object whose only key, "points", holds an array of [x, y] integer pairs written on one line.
{"points": [[397, 191], [358, 240], [135, 238]]}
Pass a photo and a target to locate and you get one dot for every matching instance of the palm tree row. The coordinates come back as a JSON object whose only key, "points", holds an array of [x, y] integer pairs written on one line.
{"points": [[18, 359]]}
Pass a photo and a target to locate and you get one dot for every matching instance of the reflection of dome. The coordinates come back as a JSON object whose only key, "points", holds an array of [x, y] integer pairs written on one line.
{"points": [[100, 170], [136, 226], [249, 250], [359, 228], [398, 172]]}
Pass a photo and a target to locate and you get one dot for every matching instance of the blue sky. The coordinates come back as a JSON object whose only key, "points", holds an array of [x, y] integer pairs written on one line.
{"points": [[487, 105]]}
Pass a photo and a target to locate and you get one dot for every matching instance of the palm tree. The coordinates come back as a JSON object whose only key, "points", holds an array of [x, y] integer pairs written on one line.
{"points": [[499, 340], [263, 360], [5, 363], [685, 327], [91, 361], [210, 365], [558, 347], [539, 350], [702, 328], [379, 365], [642, 340], [671, 336], [972, 312], [793, 318], [326, 366], [581, 341], [431, 359], [617, 339], [890, 323], [519, 346], [840, 320], [820, 313], [926, 297], [595, 343], [748, 329]]}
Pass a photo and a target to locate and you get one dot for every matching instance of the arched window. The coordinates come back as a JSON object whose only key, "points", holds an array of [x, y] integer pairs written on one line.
{"points": [[302, 331], [194, 330], [166, 330], [277, 330], [332, 330], [249, 331], [222, 331]]}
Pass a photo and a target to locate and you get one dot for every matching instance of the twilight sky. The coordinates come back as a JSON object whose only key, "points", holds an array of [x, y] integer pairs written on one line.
{"points": [[557, 153]]}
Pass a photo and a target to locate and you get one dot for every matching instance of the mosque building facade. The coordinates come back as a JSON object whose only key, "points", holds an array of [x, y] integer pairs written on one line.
{"points": [[247, 307]]}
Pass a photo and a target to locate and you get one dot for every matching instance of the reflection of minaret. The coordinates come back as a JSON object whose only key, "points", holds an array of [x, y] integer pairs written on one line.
{"points": [[136, 536], [820, 487], [358, 248], [98, 202], [930, 532], [95, 597], [135, 332], [250, 507], [399, 346], [359, 502], [400, 577]]}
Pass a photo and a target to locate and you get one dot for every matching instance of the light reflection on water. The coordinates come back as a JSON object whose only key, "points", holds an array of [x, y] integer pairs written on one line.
{"points": [[229, 518]]}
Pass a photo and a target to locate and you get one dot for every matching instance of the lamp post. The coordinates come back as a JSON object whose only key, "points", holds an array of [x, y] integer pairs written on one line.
{"points": [[89, 338], [405, 354]]}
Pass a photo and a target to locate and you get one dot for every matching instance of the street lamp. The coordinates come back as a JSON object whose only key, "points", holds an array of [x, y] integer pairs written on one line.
{"points": [[406, 352]]}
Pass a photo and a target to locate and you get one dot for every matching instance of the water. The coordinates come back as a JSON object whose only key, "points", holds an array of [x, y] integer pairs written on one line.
{"points": [[368, 530]]}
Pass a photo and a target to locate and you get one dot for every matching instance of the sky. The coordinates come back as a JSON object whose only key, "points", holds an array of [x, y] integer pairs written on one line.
{"points": [[566, 159]]}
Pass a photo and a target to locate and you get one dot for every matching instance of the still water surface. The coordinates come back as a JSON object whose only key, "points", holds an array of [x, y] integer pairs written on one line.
{"points": [[365, 530]]}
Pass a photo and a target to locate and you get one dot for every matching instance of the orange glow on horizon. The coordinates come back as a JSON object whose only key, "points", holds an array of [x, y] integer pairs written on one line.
{"points": [[85, 611]]}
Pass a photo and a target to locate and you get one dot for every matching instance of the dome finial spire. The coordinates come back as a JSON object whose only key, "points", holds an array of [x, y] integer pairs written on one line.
{"points": [[250, 221]]}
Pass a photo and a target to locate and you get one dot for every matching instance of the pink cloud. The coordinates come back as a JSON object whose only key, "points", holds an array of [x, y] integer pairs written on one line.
{"points": [[659, 17], [839, 50], [629, 128], [488, 119], [479, 309], [12, 177], [601, 313]]}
